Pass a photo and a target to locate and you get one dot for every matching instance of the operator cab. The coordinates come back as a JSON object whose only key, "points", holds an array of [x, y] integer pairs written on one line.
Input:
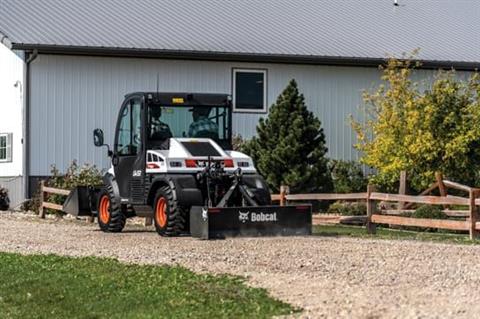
{"points": [[187, 116]]}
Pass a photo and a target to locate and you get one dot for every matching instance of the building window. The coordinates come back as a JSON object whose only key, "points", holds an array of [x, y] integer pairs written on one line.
{"points": [[249, 90], [5, 147]]}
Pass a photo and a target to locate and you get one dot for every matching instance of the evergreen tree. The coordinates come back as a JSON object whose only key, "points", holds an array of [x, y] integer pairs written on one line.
{"points": [[289, 148]]}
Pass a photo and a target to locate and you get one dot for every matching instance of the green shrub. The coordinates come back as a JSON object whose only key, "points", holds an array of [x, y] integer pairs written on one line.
{"points": [[348, 208], [85, 175], [347, 177], [430, 212]]}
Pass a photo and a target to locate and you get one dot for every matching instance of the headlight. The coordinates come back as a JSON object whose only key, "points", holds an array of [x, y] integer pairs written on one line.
{"points": [[175, 164], [243, 164]]}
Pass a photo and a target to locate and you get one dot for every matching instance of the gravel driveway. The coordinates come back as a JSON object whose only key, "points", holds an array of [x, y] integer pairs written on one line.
{"points": [[327, 276]]}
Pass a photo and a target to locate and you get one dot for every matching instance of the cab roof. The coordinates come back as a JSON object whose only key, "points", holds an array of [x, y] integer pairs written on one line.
{"points": [[182, 98]]}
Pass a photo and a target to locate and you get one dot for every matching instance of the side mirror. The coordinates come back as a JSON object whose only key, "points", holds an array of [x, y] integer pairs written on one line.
{"points": [[98, 137]]}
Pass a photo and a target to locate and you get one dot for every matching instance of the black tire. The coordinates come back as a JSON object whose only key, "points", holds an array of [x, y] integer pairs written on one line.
{"points": [[262, 197], [4, 203], [258, 186], [168, 216], [4, 200], [111, 219]]}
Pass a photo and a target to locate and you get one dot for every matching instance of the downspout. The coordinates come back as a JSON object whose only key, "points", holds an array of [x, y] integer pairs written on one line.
{"points": [[29, 58]]}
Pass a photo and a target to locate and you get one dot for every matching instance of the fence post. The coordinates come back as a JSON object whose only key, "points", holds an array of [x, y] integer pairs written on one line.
{"points": [[371, 227], [473, 215], [441, 186], [402, 190], [41, 211], [284, 190]]}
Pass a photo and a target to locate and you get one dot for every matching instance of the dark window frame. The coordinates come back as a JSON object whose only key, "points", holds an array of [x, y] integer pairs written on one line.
{"points": [[265, 90]]}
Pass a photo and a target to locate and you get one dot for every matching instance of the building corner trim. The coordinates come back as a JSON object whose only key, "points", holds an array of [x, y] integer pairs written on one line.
{"points": [[29, 58]]}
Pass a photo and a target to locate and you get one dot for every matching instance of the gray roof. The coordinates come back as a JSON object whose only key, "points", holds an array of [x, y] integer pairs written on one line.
{"points": [[444, 30]]}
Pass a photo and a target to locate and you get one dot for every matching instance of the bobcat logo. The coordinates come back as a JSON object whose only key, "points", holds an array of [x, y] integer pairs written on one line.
{"points": [[243, 217]]}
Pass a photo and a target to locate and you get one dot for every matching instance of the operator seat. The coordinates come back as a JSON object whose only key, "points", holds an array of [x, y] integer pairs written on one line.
{"points": [[159, 140], [207, 134]]}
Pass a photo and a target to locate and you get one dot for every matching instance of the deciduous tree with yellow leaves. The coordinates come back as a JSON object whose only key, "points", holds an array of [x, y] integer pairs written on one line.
{"points": [[421, 131]]}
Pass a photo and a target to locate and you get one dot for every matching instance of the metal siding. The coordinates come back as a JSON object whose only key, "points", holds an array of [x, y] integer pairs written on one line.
{"points": [[71, 96], [15, 189]]}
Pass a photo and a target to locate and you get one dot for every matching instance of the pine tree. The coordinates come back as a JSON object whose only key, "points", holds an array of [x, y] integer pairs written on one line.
{"points": [[289, 148]]}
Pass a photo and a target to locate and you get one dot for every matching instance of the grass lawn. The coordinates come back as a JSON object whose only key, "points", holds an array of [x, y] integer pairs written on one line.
{"points": [[40, 286], [386, 233]]}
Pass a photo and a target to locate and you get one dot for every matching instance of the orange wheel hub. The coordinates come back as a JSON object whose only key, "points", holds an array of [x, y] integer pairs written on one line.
{"points": [[104, 209], [161, 212]]}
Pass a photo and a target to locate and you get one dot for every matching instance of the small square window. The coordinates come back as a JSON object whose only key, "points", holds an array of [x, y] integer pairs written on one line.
{"points": [[249, 90], [5, 147]]}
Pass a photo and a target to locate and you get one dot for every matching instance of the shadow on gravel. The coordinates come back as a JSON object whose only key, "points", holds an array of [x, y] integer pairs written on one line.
{"points": [[138, 231], [131, 231]]}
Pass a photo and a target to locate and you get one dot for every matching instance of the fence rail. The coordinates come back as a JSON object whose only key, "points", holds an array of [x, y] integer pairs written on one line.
{"points": [[45, 204], [57, 191], [432, 200], [447, 212], [421, 222], [318, 197], [351, 196]]}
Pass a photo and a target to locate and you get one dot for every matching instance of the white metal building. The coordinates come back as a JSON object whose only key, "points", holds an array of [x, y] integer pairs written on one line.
{"points": [[66, 65]]}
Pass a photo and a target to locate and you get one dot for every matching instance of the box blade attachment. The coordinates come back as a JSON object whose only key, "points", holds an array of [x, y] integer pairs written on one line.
{"points": [[210, 223]]}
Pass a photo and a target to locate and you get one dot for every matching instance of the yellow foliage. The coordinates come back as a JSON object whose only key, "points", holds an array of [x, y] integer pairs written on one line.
{"points": [[422, 132]]}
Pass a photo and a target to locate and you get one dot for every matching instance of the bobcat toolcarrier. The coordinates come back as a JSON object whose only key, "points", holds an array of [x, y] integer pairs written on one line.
{"points": [[172, 161]]}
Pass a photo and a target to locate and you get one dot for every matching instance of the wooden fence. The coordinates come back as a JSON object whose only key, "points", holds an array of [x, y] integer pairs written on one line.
{"points": [[45, 204], [394, 216]]}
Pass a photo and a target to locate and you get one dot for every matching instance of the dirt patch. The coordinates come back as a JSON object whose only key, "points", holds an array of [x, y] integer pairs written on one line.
{"points": [[327, 276]]}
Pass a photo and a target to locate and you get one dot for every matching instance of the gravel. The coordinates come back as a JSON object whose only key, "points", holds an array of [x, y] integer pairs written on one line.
{"points": [[326, 276]]}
